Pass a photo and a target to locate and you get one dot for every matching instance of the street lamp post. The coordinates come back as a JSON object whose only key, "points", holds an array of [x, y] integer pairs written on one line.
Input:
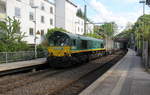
{"points": [[35, 46], [144, 3], [85, 18]]}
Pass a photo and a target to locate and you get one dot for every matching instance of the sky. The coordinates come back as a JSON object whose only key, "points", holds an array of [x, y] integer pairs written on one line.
{"points": [[121, 12]]}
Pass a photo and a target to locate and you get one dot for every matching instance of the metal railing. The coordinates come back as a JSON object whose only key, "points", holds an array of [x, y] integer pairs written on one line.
{"points": [[8, 57]]}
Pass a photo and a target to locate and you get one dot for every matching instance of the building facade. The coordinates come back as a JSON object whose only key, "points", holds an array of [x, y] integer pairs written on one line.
{"points": [[79, 26], [49, 14], [24, 11], [90, 27], [66, 15], [66, 18]]}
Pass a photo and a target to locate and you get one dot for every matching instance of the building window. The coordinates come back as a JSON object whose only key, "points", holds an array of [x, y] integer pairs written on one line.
{"points": [[18, 0], [42, 6], [31, 16], [42, 32], [78, 29], [51, 10], [42, 19], [82, 30], [51, 21], [31, 2], [31, 31], [17, 12]]}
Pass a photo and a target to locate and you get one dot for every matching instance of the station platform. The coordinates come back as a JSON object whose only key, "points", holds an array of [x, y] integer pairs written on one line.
{"points": [[21, 64], [127, 77]]}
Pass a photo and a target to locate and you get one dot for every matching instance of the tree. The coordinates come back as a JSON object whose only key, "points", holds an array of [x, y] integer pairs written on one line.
{"points": [[10, 30], [80, 13], [107, 30], [11, 36]]}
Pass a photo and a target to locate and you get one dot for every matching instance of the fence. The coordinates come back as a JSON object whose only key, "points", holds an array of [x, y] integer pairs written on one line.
{"points": [[146, 54], [7, 57]]}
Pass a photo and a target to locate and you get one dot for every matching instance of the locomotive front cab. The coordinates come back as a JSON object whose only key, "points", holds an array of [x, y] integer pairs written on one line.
{"points": [[59, 45]]}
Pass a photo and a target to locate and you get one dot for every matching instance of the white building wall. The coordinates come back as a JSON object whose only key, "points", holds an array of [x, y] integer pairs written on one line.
{"points": [[66, 15], [90, 27], [60, 13], [79, 26], [26, 23], [70, 17]]}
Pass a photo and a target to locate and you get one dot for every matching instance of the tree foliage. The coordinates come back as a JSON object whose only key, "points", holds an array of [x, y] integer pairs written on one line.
{"points": [[94, 35], [140, 30], [11, 36], [80, 13], [107, 30]]}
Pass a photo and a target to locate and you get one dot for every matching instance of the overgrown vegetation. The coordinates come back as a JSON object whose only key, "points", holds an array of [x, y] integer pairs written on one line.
{"points": [[140, 31], [81, 14], [105, 31], [11, 36]]}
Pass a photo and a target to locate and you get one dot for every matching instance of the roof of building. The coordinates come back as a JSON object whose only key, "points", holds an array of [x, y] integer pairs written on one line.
{"points": [[71, 3]]}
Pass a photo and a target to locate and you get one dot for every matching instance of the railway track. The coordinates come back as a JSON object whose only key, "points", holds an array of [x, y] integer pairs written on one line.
{"points": [[13, 82], [77, 86], [50, 82]]}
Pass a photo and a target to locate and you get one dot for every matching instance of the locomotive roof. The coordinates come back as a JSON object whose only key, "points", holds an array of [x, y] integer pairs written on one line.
{"points": [[75, 36]]}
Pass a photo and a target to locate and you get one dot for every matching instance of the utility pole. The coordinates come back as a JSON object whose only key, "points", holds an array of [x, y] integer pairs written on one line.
{"points": [[85, 18], [144, 3], [148, 2]]}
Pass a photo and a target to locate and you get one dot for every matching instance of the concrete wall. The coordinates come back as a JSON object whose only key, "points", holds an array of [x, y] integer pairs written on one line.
{"points": [[70, 17], [109, 44], [60, 13]]}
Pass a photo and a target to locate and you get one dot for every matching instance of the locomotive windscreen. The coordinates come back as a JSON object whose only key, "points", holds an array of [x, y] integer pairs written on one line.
{"points": [[58, 39]]}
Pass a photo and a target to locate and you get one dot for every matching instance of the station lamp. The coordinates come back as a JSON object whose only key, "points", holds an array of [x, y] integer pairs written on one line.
{"points": [[147, 2]]}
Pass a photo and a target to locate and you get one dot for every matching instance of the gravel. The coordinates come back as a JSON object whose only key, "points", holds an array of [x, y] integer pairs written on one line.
{"points": [[48, 82]]}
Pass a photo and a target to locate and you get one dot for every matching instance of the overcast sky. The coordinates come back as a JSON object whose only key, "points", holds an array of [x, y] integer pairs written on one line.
{"points": [[120, 11]]}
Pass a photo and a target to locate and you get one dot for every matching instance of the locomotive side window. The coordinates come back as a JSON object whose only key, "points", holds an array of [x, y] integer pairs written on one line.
{"points": [[73, 42], [102, 45], [84, 44]]}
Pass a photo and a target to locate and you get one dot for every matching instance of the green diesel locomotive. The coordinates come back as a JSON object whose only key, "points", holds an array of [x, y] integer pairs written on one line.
{"points": [[66, 49]]}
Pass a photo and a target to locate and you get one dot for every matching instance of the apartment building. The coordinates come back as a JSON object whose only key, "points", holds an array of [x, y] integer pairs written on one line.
{"points": [[66, 18], [24, 11], [66, 15], [49, 14]]}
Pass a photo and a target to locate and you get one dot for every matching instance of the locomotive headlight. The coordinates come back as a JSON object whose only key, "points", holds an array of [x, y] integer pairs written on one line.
{"points": [[50, 54], [66, 54]]}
